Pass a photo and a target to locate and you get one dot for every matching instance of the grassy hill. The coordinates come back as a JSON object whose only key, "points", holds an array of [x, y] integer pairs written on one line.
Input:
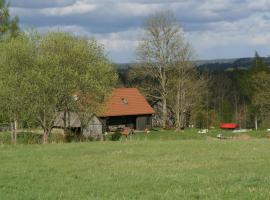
{"points": [[149, 167]]}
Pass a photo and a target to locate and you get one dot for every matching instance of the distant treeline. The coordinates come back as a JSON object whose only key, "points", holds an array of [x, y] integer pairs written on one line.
{"points": [[213, 65]]}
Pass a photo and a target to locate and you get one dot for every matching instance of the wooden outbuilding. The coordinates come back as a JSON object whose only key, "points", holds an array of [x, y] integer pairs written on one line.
{"points": [[94, 129], [128, 107], [125, 107]]}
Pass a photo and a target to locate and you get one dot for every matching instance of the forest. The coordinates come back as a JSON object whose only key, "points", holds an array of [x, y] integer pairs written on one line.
{"points": [[232, 87]]}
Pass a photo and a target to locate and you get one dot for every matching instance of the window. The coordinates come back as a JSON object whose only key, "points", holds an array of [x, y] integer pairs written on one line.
{"points": [[124, 101]]}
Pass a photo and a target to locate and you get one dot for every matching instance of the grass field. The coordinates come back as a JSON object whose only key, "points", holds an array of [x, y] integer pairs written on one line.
{"points": [[142, 168], [194, 135]]}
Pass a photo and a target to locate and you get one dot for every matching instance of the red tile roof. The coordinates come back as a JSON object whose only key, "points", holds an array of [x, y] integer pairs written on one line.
{"points": [[127, 101]]}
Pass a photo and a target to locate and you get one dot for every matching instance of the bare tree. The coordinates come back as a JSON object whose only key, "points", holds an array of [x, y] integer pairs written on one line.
{"points": [[158, 52], [187, 89]]}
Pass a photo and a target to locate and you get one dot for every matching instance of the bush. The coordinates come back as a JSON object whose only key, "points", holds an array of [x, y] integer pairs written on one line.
{"points": [[116, 136], [54, 137], [57, 138], [29, 138], [5, 138], [22, 138]]}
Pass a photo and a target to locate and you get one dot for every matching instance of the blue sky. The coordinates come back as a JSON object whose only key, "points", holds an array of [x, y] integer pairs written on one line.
{"points": [[215, 28]]}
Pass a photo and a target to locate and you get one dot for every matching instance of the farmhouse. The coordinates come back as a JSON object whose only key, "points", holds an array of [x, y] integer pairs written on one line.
{"points": [[126, 107]]}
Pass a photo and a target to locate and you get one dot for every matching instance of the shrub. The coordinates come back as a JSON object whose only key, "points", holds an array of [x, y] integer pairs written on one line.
{"points": [[5, 138], [57, 138], [116, 135], [22, 138], [29, 138]]}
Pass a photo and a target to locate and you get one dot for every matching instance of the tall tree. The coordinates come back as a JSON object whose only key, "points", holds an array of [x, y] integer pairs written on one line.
{"points": [[16, 57], [261, 95], [251, 84], [69, 65], [8, 25], [189, 91], [157, 52]]}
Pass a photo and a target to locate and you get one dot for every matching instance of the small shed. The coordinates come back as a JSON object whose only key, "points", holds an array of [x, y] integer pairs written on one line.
{"points": [[94, 129]]}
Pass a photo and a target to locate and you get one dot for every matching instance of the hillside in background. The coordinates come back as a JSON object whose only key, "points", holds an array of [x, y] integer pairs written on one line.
{"points": [[218, 64]]}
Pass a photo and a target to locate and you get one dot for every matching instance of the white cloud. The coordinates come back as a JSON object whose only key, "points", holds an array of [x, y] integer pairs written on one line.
{"points": [[121, 42], [262, 5], [231, 38], [214, 27], [137, 9], [80, 7]]}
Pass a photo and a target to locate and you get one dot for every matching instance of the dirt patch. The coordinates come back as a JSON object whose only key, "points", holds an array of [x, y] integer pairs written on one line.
{"points": [[242, 137]]}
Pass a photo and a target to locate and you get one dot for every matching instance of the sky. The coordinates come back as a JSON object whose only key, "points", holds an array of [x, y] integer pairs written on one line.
{"points": [[215, 28]]}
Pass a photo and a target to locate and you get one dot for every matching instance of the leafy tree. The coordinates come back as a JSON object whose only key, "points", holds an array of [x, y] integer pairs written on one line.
{"points": [[47, 71], [251, 84], [69, 66], [260, 83], [257, 86], [8, 25], [16, 57]]}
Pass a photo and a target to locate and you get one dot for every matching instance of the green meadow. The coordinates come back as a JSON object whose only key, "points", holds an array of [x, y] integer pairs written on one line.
{"points": [[143, 167]]}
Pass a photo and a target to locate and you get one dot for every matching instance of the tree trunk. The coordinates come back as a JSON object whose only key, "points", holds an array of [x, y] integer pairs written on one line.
{"points": [[65, 122], [164, 112], [236, 111], [182, 109], [245, 115], [177, 112], [45, 137], [178, 99], [68, 113], [11, 132], [256, 123], [222, 102], [164, 99], [15, 131]]}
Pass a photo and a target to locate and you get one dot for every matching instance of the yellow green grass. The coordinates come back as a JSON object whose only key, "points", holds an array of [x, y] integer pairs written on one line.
{"points": [[137, 169]]}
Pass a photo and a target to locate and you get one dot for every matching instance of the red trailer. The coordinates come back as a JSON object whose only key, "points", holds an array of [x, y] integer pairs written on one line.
{"points": [[228, 126]]}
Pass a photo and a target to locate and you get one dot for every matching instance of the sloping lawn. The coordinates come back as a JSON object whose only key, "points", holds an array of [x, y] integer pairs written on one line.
{"points": [[137, 169]]}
